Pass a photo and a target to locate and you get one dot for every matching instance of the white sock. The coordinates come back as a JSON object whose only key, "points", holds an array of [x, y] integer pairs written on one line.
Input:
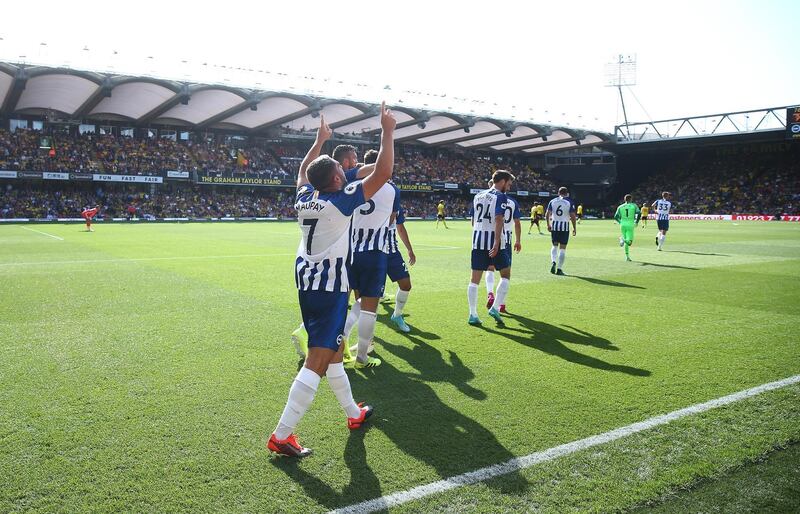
{"points": [[489, 282], [553, 254], [400, 300], [562, 255], [352, 319], [661, 238], [472, 298], [340, 385], [366, 329], [502, 291], [301, 395]]}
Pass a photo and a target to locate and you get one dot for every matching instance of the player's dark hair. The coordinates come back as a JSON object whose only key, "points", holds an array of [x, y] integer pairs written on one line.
{"points": [[563, 190], [371, 157], [501, 175], [341, 150], [628, 198], [320, 172], [664, 194]]}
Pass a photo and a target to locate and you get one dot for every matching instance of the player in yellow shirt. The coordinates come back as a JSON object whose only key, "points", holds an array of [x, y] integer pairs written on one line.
{"points": [[645, 211], [440, 214], [580, 212], [536, 215]]}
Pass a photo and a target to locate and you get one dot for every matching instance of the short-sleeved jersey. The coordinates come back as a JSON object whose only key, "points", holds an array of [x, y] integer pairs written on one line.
{"points": [[540, 210], [510, 214], [324, 249], [627, 213], [371, 220], [645, 211], [392, 246], [662, 209], [89, 213], [485, 206], [580, 209], [440, 209], [561, 207]]}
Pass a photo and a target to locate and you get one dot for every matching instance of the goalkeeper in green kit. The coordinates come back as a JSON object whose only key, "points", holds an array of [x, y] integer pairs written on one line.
{"points": [[627, 216]]}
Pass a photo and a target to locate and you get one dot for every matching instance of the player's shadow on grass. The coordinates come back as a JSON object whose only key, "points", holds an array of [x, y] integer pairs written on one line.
{"points": [[674, 266], [411, 414], [601, 282], [363, 482], [415, 331], [554, 340], [419, 424], [697, 253], [432, 367]]}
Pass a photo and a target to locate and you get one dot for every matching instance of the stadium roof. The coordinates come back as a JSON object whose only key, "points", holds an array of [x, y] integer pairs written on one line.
{"points": [[142, 101]]}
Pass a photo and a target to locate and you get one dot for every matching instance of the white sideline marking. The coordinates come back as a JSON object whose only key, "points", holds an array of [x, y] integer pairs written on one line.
{"points": [[527, 461], [44, 233], [144, 259]]}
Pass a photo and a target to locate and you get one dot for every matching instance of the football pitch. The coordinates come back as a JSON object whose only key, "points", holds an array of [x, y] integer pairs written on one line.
{"points": [[143, 367]]}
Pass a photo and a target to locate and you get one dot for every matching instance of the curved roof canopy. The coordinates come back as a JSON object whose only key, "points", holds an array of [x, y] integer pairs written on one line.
{"points": [[144, 101]]}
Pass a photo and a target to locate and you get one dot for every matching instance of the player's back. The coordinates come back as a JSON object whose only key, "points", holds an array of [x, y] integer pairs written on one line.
{"points": [[662, 209], [391, 243], [486, 205], [510, 213], [371, 220], [324, 220], [560, 208], [627, 213]]}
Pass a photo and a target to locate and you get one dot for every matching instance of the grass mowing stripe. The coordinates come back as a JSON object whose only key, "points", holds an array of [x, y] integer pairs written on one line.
{"points": [[527, 461], [43, 233]]}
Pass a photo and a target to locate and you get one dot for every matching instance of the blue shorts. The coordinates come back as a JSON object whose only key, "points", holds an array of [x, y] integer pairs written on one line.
{"points": [[368, 273], [560, 237], [324, 314], [396, 267], [508, 251], [663, 225], [481, 260]]}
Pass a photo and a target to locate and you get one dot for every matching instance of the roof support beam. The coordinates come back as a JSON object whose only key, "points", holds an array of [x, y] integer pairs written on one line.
{"points": [[538, 145], [17, 87], [370, 113], [104, 91], [315, 107], [469, 137], [508, 140], [250, 103], [182, 96]]}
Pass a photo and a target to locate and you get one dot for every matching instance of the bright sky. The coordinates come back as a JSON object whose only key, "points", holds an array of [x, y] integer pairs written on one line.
{"points": [[536, 61]]}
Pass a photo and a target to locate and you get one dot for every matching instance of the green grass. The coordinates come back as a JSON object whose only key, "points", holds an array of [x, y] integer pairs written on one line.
{"points": [[145, 366], [771, 484]]}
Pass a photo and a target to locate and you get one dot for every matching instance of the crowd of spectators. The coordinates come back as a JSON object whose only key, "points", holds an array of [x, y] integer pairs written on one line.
{"points": [[189, 202], [128, 201], [121, 202], [754, 183], [22, 150]]}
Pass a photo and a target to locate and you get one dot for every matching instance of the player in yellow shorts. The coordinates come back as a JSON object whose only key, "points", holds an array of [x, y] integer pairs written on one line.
{"points": [[645, 211]]}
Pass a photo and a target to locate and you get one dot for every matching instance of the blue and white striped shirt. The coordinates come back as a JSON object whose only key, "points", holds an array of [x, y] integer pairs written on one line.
{"points": [[560, 209], [485, 206], [510, 214], [324, 251], [371, 220], [662, 209], [392, 245]]}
